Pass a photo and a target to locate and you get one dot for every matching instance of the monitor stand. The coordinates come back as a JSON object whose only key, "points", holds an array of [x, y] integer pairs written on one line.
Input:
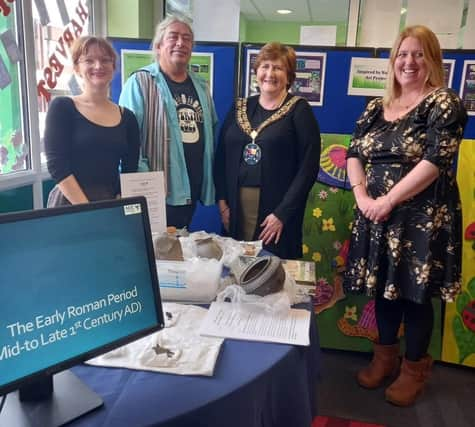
{"points": [[70, 399]]}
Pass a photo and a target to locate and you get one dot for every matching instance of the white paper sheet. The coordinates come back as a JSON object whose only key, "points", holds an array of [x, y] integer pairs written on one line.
{"points": [[152, 186], [246, 322]]}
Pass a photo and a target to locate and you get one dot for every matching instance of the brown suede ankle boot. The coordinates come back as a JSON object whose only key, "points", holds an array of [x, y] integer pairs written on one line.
{"points": [[385, 363], [410, 383]]}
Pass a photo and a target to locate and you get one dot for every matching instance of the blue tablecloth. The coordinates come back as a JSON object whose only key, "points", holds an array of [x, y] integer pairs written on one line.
{"points": [[255, 385]]}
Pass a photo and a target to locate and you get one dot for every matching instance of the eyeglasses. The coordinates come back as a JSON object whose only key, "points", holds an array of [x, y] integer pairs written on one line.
{"points": [[102, 61]]}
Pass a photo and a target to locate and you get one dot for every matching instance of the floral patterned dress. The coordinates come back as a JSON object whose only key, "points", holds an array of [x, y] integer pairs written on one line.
{"points": [[416, 252]]}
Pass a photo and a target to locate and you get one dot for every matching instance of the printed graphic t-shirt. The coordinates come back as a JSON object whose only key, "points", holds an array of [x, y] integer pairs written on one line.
{"points": [[190, 118]]}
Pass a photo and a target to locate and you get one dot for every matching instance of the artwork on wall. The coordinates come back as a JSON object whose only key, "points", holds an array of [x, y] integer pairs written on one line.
{"points": [[309, 81], [449, 65], [327, 224], [333, 161], [201, 63], [459, 329], [367, 76], [467, 87]]}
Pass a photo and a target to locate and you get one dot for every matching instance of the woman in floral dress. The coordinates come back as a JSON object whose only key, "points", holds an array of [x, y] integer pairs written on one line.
{"points": [[406, 238]]}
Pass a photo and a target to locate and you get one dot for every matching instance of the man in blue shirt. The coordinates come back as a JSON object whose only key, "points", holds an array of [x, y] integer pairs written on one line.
{"points": [[177, 121]]}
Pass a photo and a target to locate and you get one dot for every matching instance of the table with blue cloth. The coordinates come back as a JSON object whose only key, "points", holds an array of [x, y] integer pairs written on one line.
{"points": [[254, 385]]}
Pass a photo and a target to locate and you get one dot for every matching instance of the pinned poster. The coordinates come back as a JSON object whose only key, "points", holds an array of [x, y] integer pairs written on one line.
{"points": [[309, 77], [201, 63], [368, 76], [467, 87], [448, 65]]}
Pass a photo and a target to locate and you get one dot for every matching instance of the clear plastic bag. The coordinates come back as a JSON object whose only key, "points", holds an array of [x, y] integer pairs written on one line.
{"points": [[276, 303]]}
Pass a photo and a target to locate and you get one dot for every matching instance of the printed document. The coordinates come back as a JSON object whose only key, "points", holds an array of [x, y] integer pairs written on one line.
{"points": [[151, 185], [248, 322]]}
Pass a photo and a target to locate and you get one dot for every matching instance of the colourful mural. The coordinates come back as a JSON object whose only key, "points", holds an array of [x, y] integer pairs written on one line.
{"points": [[327, 222], [459, 332]]}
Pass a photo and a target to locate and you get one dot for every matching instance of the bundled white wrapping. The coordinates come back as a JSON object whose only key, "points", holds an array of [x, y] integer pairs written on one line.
{"points": [[276, 303], [177, 349], [194, 280], [231, 249]]}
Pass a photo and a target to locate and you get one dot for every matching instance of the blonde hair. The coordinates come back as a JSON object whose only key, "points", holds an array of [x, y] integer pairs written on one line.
{"points": [[82, 45], [432, 56], [276, 51]]}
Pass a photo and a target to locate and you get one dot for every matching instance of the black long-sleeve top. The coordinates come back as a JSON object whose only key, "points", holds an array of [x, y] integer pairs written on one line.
{"points": [[94, 154]]}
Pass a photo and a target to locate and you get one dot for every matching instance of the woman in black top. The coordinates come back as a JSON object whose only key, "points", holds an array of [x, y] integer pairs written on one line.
{"points": [[268, 158], [89, 139]]}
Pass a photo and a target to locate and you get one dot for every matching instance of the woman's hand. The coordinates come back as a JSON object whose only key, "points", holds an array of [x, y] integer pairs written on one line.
{"points": [[272, 229], [379, 209], [224, 212], [71, 189], [364, 203]]}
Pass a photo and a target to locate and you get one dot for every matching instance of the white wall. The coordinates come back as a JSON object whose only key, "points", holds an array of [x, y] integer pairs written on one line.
{"points": [[379, 25], [381, 19], [469, 30], [443, 17], [216, 20]]}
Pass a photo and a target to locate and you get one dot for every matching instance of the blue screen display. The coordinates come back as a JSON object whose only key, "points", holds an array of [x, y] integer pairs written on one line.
{"points": [[72, 283]]}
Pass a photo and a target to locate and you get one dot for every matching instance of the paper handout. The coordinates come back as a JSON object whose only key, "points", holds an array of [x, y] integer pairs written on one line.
{"points": [[248, 322]]}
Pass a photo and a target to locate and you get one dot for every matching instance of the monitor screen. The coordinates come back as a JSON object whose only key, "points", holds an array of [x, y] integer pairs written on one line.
{"points": [[75, 282]]}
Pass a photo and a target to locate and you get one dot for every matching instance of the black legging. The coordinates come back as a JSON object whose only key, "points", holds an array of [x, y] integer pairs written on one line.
{"points": [[418, 324]]}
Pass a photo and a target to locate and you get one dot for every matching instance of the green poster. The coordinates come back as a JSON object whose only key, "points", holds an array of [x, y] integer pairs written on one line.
{"points": [[132, 60], [201, 63]]}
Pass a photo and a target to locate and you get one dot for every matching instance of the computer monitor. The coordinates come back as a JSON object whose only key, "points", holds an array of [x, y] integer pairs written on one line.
{"points": [[76, 282]]}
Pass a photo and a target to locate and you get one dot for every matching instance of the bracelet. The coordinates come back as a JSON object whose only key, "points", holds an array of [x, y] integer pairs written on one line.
{"points": [[356, 185]]}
